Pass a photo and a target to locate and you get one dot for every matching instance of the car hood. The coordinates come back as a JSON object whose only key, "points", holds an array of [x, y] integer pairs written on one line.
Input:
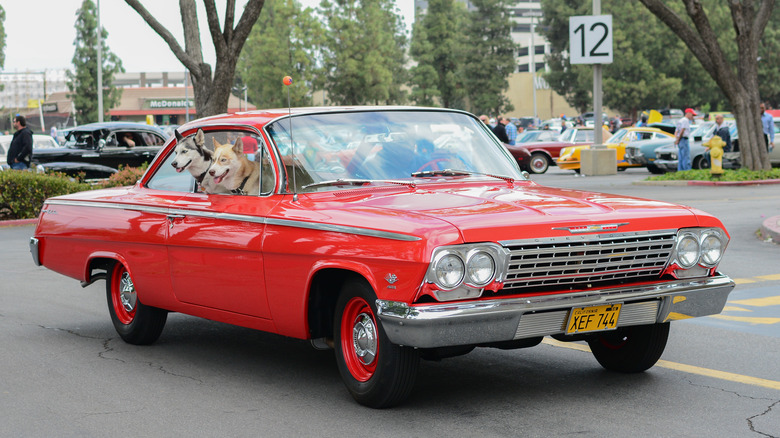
{"points": [[502, 212]]}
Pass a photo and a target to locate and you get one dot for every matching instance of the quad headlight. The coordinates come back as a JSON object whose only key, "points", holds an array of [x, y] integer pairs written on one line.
{"points": [[461, 271], [701, 247]]}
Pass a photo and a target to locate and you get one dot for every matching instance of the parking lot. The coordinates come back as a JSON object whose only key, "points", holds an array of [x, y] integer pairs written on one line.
{"points": [[66, 373]]}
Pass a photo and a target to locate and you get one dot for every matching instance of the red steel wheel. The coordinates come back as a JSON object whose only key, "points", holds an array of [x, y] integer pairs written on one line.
{"points": [[359, 339], [376, 372], [134, 322]]}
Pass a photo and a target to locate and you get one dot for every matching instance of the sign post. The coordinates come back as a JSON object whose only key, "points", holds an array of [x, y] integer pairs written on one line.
{"points": [[590, 42], [532, 55]]}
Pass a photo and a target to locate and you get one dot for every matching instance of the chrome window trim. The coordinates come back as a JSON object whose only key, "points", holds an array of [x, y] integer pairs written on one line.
{"points": [[242, 218]]}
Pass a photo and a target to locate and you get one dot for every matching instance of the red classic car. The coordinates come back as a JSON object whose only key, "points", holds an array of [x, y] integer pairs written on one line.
{"points": [[389, 235], [546, 153]]}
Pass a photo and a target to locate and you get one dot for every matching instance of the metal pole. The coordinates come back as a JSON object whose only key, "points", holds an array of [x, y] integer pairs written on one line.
{"points": [[598, 139], [99, 65], [533, 64]]}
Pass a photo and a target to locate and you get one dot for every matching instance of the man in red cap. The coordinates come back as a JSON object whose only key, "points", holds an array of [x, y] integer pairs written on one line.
{"points": [[681, 134]]}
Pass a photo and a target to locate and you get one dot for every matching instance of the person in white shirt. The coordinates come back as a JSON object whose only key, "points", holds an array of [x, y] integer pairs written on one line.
{"points": [[682, 134]]}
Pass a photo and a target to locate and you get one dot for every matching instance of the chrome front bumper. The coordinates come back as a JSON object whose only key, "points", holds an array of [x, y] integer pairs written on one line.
{"points": [[477, 322], [34, 251]]}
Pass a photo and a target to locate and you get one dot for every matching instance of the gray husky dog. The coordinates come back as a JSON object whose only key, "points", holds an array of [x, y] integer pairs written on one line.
{"points": [[192, 155]]}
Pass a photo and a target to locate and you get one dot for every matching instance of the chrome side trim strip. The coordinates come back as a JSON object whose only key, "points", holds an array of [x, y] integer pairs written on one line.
{"points": [[242, 218]]}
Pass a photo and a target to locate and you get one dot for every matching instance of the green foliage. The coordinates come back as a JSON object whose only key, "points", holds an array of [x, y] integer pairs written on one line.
{"points": [[82, 82], [22, 192], [769, 61], [438, 47], [363, 52], [284, 41], [743, 174], [490, 57], [126, 176]]}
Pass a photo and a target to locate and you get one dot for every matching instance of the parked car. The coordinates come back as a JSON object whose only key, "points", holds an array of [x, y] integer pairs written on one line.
{"points": [[426, 241], [643, 153], [537, 135], [39, 142], [666, 156], [102, 148], [521, 154], [545, 154], [570, 156]]}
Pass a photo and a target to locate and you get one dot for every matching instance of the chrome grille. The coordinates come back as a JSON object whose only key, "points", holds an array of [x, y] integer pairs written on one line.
{"points": [[580, 261]]}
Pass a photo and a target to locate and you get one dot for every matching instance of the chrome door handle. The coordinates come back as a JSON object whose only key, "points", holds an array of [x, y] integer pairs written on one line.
{"points": [[172, 217]]}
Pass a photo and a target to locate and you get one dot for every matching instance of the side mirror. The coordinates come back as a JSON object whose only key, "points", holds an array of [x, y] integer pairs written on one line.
{"points": [[101, 144]]}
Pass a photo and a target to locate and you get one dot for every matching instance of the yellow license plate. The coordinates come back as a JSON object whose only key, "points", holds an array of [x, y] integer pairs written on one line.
{"points": [[593, 318]]}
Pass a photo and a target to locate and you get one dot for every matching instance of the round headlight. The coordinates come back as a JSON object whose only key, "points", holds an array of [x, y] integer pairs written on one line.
{"points": [[687, 251], [711, 249], [449, 271], [480, 268]]}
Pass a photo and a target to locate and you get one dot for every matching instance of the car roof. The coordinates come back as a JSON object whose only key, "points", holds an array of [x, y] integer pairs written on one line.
{"points": [[115, 126]]}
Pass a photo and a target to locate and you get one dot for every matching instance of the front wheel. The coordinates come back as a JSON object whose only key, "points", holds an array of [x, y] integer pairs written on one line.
{"points": [[136, 323], [539, 163], [377, 373], [630, 349]]}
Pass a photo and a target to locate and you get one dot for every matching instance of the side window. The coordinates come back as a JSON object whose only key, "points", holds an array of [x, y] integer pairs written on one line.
{"points": [[217, 162]]}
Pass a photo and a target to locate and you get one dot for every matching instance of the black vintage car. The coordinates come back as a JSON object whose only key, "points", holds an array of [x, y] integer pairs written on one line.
{"points": [[98, 149]]}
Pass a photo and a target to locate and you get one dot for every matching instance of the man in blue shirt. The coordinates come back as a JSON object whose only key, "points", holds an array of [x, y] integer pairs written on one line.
{"points": [[767, 122], [511, 130]]}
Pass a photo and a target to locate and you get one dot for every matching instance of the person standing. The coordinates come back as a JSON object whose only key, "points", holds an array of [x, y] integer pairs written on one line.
{"points": [[722, 131], [768, 125], [511, 131], [500, 130], [682, 134], [20, 151]]}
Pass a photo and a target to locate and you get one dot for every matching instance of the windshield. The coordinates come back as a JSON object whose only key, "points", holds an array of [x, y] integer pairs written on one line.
{"points": [[357, 148], [616, 137]]}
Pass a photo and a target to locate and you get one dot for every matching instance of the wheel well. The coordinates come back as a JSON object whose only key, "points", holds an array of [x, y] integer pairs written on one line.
{"points": [[546, 155], [325, 288], [101, 265]]}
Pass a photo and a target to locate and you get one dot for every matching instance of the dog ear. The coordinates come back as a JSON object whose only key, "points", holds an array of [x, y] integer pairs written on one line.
{"points": [[238, 147], [214, 140], [179, 137], [200, 138]]}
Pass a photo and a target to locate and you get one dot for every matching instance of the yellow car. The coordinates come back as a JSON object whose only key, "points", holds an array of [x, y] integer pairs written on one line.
{"points": [[570, 156]]}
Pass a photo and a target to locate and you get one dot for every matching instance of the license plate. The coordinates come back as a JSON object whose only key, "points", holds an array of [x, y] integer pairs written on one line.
{"points": [[592, 319]]}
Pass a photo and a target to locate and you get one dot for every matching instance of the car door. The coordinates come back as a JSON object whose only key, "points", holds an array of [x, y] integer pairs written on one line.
{"points": [[215, 246]]}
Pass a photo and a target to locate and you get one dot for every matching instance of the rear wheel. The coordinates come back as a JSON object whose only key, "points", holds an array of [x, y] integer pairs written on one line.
{"points": [[377, 373], [655, 170], [135, 322], [539, 162], [630, 349]]}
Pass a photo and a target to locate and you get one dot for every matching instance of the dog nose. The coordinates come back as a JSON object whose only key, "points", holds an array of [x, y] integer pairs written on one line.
{"points": [[212, 173]]}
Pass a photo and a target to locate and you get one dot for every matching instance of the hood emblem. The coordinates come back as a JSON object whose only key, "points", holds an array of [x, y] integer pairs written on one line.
{"points": [[391, 278], [591, 228]]}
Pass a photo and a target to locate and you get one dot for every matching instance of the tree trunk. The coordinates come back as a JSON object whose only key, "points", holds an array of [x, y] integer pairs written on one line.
{"points": [[211, 93], [741, 89]]}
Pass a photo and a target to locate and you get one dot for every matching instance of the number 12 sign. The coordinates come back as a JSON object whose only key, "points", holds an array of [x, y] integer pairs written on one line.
{"points": [[590, 39]]}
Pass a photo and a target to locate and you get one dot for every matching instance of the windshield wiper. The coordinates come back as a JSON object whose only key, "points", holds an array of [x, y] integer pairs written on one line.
{"points": [[451, 172], [338, 182], [443, 172]]}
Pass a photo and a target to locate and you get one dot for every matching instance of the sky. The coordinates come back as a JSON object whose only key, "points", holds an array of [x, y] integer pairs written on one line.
{"points": [[40, 33]]}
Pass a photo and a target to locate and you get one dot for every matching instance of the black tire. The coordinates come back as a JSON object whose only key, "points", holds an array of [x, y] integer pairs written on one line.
{"points": [[701, 162], [135, 322], [377, 373], [630, 349], [655, 170], [539, 163]]}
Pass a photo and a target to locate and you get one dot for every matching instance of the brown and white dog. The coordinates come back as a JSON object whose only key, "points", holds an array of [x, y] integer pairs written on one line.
{"points": [[192, 155], [234, 172]]}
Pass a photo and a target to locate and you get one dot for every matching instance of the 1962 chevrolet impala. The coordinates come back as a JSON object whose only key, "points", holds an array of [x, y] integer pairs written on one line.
{"points": [[389, 234]]}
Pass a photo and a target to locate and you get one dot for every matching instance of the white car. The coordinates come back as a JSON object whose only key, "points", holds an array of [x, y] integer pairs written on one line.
{"points": [[39, 142]]}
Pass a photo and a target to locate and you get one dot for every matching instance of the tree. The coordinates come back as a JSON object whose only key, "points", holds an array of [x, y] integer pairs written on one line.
{"points": [[438, 47], [490, 57], [364, 53], [741, 85], [211, 91], [2, 38], [82, 82], [283, 41]]}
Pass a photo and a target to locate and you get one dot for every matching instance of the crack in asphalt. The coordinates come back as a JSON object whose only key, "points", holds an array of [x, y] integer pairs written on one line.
{"points": [[752, 426], [107, 349]]}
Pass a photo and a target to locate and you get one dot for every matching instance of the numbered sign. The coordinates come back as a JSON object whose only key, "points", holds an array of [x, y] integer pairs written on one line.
{"points": [[590, 39]]}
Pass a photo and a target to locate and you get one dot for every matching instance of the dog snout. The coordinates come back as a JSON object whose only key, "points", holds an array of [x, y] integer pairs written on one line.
{"points": [[212, 173]]}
